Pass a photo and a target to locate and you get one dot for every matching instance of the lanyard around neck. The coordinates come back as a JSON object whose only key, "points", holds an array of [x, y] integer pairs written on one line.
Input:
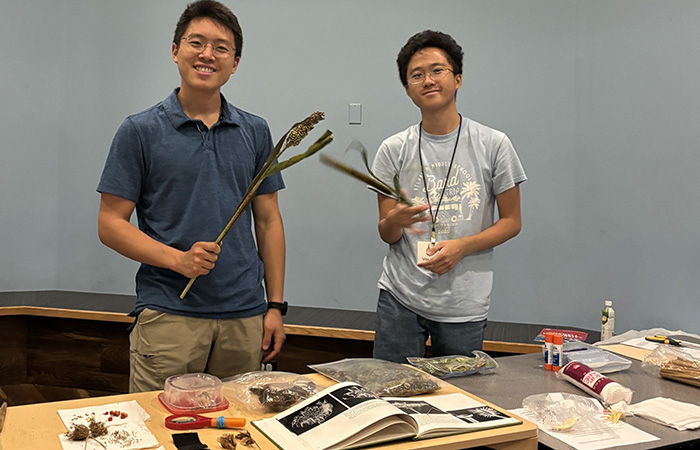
{"points": [[433, 217]]}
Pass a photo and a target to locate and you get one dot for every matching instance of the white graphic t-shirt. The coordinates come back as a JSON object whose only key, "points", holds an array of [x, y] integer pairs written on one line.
{"points": [[485, 164]]}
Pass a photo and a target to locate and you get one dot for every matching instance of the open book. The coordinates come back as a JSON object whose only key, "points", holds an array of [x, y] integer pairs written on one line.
{"points": [[347, 416]]}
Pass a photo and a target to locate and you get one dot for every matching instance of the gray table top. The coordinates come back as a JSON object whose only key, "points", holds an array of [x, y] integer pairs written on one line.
{"points": [[521, 376]]}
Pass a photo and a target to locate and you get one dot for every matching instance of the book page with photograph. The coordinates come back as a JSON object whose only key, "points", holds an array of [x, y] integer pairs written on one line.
{"points": [[346, 416], [442, 415], [342, 416]]}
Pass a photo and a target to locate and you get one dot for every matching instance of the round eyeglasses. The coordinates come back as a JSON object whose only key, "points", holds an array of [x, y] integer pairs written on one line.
{"points": [[436, 74], [218, 48]]}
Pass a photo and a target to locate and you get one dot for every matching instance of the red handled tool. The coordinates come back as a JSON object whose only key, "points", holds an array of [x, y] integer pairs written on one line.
{"points": [[193, 421]]}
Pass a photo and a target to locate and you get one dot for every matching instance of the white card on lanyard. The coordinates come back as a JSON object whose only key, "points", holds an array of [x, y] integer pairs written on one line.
{"points": [[422, 251]]}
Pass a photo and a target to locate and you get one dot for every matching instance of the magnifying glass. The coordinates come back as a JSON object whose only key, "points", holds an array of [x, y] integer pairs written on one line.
{"points": [[193, 421]]}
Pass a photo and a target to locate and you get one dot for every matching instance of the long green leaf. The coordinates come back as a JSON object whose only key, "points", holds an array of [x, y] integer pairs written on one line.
{"points": [[321, 142], [371, 179], [376, 184]]}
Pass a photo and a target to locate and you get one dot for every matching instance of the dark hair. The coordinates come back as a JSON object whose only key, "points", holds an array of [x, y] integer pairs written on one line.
{"points": [[213, 10], [425, 39]]}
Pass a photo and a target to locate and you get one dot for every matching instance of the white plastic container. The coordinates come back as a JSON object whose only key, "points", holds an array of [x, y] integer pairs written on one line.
{"points": [[595, 383], [607, 327]]}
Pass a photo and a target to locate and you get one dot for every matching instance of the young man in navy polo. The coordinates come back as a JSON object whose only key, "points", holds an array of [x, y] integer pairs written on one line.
{"points": [[184, 166]]}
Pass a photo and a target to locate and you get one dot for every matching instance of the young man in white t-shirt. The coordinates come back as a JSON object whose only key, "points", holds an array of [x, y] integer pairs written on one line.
{"points": [[437, 276]]}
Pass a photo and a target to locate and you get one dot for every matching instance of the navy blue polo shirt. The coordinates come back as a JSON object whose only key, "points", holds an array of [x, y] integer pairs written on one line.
{"points": [[187, 182]]}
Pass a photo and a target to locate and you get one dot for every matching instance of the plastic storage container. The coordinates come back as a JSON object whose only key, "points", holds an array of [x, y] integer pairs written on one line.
{"points": [[600, 360], [193, 393]]}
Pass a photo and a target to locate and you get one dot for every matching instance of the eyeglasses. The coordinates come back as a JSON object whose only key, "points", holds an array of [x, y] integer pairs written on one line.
{"points": [[220, 49], [436, 74]]}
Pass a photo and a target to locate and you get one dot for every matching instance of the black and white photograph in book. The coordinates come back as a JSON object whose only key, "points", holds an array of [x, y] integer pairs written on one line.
{"points": [[479, 414], [325, 409], [416, 407], [354, 395]]}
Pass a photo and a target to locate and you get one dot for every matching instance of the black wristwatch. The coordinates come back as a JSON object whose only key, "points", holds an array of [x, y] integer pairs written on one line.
{"points": [[282, 306]]}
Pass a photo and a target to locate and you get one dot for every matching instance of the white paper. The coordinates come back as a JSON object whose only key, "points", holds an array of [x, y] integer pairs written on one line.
{"points": [[672, 413], [621, 434], [125, 431]]}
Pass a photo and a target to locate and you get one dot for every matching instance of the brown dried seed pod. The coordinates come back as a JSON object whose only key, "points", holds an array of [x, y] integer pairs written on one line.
{"points": [[245, 438], [295, 136], [227, 441], [78, 433], [97, 429]]}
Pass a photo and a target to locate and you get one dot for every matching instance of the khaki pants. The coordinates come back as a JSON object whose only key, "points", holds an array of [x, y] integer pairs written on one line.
{"points": [[163, 344]]}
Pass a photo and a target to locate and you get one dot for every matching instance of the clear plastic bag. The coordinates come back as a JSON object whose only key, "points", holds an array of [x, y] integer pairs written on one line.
{"points": [[456, 365], [673, 363], [563, 412], [265, 392], [382, 378]]}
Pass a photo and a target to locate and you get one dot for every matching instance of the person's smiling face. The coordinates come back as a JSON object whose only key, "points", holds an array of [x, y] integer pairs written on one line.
{"points": [[432, 93], [209, 66]]}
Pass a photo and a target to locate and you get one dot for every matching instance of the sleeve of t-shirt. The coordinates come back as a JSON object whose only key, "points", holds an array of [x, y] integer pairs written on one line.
{"points": [[507, 169], [273, 182], [125, 167]]}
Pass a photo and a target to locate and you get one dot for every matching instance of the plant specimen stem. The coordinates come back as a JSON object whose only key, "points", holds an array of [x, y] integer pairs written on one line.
{"points": [[270, 168]]}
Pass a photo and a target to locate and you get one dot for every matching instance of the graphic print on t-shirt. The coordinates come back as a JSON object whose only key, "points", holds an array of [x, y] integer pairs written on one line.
{"points": [[462, 194]]}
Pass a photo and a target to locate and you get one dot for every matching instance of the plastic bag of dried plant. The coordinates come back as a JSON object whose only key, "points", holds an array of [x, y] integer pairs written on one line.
{"points": [[456, 365], [268, 391], [382, 378], [673, 363]]}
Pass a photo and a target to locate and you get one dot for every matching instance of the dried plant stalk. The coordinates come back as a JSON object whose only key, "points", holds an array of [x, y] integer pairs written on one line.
{"points": [[371, 179], [291, 138]]}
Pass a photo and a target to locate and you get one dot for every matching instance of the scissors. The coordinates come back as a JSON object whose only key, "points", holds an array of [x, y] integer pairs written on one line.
{"points": [[671, 341], [660, 339], [192, 421]]}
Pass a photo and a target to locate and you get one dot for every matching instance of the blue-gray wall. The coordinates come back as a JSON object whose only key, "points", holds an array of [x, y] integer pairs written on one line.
{"points": [[600, 98]]}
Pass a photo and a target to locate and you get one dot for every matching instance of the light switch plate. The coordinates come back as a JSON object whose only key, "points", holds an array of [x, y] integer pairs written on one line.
{"points": [[355, 113]]}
